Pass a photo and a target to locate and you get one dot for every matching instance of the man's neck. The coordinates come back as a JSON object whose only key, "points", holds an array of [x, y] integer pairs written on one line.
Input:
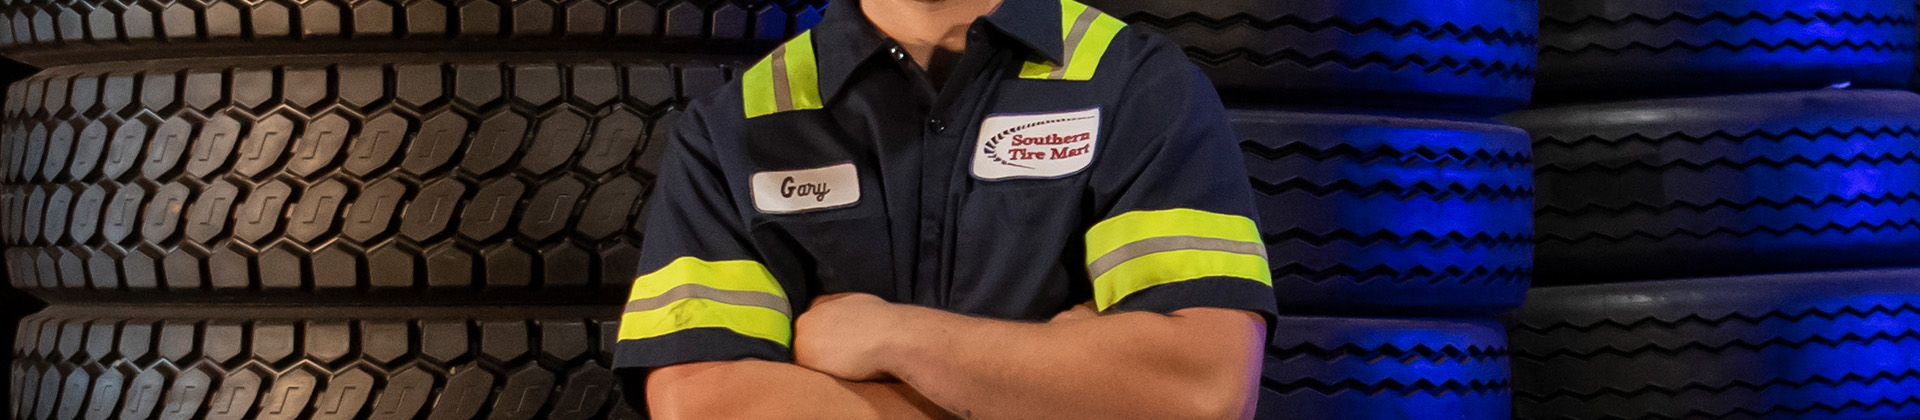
{"points": [[927, 28]]}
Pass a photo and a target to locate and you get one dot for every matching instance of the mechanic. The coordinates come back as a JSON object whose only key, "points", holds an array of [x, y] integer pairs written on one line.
{"points": [[900, 213]]}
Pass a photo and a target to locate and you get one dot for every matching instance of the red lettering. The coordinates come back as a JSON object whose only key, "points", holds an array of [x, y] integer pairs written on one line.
{"points": [[1023, 154], [1067, 152]]}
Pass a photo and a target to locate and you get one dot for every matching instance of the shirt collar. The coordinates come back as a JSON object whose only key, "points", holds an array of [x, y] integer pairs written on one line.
{"points": [[844, 39]]}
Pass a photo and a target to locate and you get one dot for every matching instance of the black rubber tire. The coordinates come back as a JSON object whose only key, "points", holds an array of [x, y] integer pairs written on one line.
{"points": [[1831, 345], [290, 362], [1470, 56], [57, 32], [1713, 186], [13, 306], [1385, 369], [545, 213], [1602, 49], [1371, 215]]}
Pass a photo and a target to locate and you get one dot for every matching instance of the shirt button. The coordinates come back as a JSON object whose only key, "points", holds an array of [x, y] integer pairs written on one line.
{"points": [[937, 126], [898, 54]]}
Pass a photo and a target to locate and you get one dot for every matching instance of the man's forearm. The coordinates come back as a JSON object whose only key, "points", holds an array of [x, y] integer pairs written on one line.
{"points": [[1195, 364], [771, 390]]}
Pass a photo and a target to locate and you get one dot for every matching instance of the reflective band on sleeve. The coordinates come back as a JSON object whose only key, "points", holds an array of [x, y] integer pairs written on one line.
{"points": [[1085, 35], [786, 80], [686, 314], [734, 297], [738, 295], [1141, 249]]}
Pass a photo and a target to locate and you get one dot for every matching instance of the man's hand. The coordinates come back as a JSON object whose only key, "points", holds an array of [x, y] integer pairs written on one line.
{"points": [[844, 335]]}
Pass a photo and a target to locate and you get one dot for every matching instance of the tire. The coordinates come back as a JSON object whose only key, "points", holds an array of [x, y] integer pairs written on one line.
{"points": [[1474, 56], [1833, 345], [1371, 215], [56, 32], [515, 203], [1385, 369], [288, 362], [1602, 49], [13, 306], [1725, 185]]}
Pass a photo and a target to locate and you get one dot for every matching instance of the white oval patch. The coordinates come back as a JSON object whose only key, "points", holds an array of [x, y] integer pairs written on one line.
{"points": [[806, 189], [1036, 145]]}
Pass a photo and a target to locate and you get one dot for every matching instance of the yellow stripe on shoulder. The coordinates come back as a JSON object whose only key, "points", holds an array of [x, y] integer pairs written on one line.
{"points": [[1085, 36], [788, 79]]}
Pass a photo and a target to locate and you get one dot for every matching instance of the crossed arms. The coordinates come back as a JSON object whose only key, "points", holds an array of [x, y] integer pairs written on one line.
{"points": [[859, 357], [1174, 356]]}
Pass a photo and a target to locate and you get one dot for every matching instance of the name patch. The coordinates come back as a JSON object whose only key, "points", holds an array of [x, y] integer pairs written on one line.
{"points": [[806, 189], [1036, 145]]}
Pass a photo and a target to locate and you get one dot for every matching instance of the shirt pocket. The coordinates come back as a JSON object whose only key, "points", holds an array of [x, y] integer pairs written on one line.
{"points": [[1017, 250], [830, 251]]}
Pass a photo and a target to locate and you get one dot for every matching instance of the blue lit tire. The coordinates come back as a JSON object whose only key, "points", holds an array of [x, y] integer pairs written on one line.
{"points": [[1593, 49], [1724, 185], [1385, 369], [1373, 214], [1830, 345], [1469, 56]]}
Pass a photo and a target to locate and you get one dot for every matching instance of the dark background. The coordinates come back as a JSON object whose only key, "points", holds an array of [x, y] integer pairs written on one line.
{"points": [[13, 303]]}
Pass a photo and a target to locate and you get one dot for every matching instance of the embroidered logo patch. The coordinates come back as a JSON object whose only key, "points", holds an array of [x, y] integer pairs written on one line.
{"points": [[1036, 145], [806, 189]]}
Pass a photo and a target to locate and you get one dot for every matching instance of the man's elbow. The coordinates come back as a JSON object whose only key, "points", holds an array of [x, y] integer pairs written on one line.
{"points": [[1221, 401], [1225, 389], [704, 391], [1224, 356], [714, 404]]}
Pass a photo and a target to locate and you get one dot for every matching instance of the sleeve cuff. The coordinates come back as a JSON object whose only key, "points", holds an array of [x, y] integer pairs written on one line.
{"points": [[696, 345], [1211, 292]]}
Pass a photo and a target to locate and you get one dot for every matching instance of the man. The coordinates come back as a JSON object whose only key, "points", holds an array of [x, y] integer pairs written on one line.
{"points": [[930, 187]]}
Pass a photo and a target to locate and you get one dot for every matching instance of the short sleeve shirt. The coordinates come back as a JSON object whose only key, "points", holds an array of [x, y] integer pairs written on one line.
{"points": [[1068, 158]]}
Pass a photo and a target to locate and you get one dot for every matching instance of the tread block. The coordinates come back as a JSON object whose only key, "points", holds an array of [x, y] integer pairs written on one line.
{"points": [[351, 362], [309, 178]]}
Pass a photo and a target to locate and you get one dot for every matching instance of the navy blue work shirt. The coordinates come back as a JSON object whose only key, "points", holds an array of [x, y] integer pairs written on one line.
{"points": [[1068, 158]]}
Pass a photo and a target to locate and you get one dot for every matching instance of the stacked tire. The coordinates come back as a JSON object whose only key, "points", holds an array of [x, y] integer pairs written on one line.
{"points": [[233, 217], [1396, 214], [1727, 216]]}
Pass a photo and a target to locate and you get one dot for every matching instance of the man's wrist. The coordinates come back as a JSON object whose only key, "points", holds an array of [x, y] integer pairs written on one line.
{"points": [[901, 345]]}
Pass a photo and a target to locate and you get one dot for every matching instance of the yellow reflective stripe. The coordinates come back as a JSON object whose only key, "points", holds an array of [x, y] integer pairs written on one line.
{"points": [[1172, 267], [1148, 248], [741, 275], [1036, 67], [698, 310], [1093, 46], [803, 74], [1085, 35], [684, 314], [786, 80], [1118, 231], [756, 89]]}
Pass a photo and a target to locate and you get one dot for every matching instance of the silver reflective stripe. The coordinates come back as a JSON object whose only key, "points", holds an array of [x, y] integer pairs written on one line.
{"points": [[735, 297], [1136, 249], [782, 91], [1080, 26]]}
